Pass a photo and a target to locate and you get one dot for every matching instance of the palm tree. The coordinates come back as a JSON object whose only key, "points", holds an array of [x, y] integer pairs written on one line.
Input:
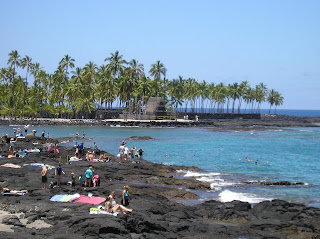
{"points": [[157, 70], [144, 87], [272, 98], [204, 93], [235, 94], [278, 101], [137, 69], [66, 62], [115, 66], [26, 62], [244, 85], [14, 61]]}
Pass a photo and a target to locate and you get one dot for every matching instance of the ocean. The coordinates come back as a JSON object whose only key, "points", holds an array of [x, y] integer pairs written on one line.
{"points": [[286, 154]]}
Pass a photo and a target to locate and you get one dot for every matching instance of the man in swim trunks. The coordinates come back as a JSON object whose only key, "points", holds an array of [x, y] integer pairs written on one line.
{"points": [[44, 177], [140, 151], [58, 173]]}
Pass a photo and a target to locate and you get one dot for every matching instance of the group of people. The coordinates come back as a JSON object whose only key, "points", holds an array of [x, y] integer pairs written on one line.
{"points": [[91, 179], [125, 153]]}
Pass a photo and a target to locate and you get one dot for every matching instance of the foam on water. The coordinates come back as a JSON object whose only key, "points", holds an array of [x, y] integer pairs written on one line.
{"points": [[228, 196], [197, 174]]}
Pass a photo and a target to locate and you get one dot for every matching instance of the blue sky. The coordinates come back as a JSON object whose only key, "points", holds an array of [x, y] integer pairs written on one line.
{"points": [[269, 41]]}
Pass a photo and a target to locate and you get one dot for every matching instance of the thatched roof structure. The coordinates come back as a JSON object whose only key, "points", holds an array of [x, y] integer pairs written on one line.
{"points": [[155, 106]]}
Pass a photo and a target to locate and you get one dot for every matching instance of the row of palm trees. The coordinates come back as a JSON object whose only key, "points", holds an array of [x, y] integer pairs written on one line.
{"points": [[72, 91]]}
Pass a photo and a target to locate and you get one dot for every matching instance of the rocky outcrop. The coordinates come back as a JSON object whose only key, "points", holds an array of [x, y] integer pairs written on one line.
{"points": [[135, 138]]}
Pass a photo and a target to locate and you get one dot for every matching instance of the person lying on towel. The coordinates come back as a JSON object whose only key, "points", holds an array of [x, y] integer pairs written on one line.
{"points": [[5, 189]]}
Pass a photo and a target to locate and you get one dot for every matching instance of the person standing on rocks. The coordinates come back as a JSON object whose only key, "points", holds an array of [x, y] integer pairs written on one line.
{"points": [[55, 150], [44, 177], [49, 149], [58, 173], [125, 196], [131, 152], [88, 177], [95, 149], [26, 130], [126, 151], [140, 152], [77, 139], [81, 150], [121, 151]]}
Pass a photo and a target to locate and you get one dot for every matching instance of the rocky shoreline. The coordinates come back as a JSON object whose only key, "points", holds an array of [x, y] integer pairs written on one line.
{"points": [[153, 191], [265, 123]]}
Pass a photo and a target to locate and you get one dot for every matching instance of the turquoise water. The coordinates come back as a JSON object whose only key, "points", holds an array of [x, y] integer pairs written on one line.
{"points": [[287, 154]]}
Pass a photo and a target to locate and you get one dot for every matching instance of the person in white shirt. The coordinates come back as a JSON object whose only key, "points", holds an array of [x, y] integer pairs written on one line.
{"points": [[121, 151]]}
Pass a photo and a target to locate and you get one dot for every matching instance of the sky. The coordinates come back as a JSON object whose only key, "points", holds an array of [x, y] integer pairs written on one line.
{"points": [[269, 41]]}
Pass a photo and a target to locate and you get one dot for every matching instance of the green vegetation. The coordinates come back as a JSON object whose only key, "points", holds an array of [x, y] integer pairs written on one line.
{"points": [[74, 91]]}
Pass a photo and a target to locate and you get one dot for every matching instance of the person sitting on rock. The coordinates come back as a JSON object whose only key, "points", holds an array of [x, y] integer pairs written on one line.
{"points": [[101, 158], [111, 206]]}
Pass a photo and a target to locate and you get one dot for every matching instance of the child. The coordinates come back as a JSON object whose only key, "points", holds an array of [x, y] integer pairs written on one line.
{"points": [[80, 181], [95, 180], [73, 180]]}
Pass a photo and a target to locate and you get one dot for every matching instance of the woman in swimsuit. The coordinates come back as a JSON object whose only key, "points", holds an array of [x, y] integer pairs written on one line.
{"points": [[125, 196], [112, 207]]}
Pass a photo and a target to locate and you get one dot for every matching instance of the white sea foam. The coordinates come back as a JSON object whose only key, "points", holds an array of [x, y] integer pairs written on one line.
{"points": [[228, 196], [197, 174], [216, 182]]}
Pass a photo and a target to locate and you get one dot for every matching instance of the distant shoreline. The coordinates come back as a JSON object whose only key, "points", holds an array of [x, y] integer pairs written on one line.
{"points": [[265, 123]]}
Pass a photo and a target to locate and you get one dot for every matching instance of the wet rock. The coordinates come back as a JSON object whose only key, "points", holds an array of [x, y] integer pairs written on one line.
{"points": [[140, 138]]}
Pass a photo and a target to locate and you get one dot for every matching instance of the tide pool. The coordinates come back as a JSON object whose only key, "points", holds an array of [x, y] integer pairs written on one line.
{"points": [[281, 155]]}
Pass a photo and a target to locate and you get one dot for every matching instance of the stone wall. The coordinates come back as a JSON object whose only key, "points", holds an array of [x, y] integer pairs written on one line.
{"points": [[209, 116], [108, 114]]}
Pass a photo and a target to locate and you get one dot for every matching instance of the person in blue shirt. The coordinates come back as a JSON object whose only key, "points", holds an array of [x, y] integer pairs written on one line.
{"points": [[81, 150], [88, 177], [58, 173]]}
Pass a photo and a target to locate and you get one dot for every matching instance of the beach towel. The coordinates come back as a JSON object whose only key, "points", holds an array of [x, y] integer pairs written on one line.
{"points": [[95, 210], [10, 165], [65, 197], [73, 159], [40, 165], [91, 200], [33, 150]]}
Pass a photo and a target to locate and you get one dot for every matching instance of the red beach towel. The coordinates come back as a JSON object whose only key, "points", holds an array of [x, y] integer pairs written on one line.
{"points": [[92, 200]]}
